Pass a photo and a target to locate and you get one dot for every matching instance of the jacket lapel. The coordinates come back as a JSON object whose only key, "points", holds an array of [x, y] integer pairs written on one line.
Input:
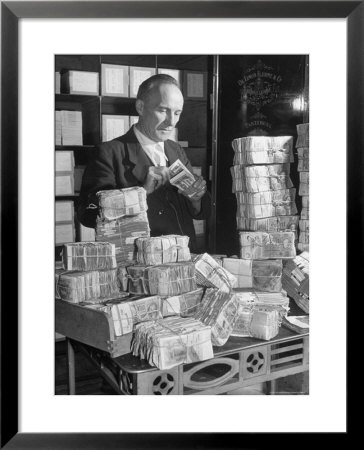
{"points": [[170, 152]]}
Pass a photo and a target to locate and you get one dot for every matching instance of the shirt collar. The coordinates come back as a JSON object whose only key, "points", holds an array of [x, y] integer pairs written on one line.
{"points": [[144, 140]]}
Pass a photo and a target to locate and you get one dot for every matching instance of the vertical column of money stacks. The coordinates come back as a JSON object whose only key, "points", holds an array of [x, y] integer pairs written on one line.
{"points": [[89, 273], [303, 146], [164, 269], [267, 222]]}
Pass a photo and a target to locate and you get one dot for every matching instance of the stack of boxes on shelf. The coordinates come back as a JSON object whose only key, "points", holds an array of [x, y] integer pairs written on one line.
{"points": [[69, 128], [303, 146]]}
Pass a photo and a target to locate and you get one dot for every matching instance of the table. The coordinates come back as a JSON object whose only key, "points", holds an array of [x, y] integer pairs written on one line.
{"points": [[241, 362]]}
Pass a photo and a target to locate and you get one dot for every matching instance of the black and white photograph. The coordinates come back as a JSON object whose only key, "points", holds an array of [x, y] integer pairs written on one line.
{"points": [[182, 224]]}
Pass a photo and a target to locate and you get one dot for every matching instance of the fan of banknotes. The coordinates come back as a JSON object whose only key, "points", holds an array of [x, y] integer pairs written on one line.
{"points": [[182, 178]]}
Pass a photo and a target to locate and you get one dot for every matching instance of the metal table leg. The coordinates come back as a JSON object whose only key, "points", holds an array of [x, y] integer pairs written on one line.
{"points": [[71, 368]]}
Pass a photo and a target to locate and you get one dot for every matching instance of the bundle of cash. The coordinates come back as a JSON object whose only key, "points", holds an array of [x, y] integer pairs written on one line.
{"points": [[168, 342], [304, 183], [304, 237], [218, 258], [261, 178], [261, 245], [263, 275], [116, 203], [88, 256], [184, 305], [219, 310], [263, 150], [165, 279], [92, 286], [266, 204], [123, 233], [264, 301], [303, 138], [303, 159], [299, 324], [182, 178], [122, 275], [303, 247], [163, 249], [209, 273], [258, 321], [269, 224], [125, 314], [295, 280], [305, 212], [304, 225]]}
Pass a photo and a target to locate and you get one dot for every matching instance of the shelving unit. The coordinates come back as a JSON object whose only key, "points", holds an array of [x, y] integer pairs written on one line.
{"points": [[193, 126]]}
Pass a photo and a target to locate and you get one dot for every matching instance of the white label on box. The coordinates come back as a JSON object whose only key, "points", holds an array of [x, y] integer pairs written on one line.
{"points": [[139, 75], [87, 234], [64, 161], [176, 74], [64, 185], [195, 85], [114, 126], [64, 233], [84, 81], [114, 80], [64, 211]]}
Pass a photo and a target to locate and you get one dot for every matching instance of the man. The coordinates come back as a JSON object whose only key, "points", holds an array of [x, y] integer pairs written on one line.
{"points": [[141, 158]]}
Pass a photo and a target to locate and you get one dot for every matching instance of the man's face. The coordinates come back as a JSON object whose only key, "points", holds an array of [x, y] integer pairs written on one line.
{"points": [[160, 112]]}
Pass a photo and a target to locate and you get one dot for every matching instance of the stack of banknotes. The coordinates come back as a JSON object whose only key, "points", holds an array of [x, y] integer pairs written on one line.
{"points": [[303, 149], [88, 256], [91, 286], [165, 280], [184, 305], [260, 314], [126, 313], [218, 310], [262, 275], [172, 341], [116, 203], [261, 245], [295, 280], [123, 233], [182, 178], [263, 150], [210, 273], [163, 249], [266, 204]]}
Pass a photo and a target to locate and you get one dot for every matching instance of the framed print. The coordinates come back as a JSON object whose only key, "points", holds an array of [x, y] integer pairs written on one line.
{"points": [[193, 430]]}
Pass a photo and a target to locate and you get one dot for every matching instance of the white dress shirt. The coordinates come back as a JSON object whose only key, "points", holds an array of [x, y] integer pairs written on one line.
{"points": [[154, 150]]}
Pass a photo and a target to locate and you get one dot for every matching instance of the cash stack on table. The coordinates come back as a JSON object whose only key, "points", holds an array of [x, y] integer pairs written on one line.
{"points": [[303, 147], [164, 269], [89, 273], [122, 219]]}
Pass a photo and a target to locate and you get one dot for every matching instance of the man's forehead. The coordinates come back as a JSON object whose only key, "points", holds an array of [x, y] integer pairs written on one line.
{"points": [[165, 92]]}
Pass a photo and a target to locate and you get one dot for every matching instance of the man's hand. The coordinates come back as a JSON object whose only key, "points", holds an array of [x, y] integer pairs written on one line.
{"points": [[200, 187], [156, 177]]}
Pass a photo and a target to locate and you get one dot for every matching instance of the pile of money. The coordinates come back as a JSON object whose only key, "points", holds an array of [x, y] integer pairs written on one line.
{"points": [[263, 150], [165, 279], [295, 280], [261, 245], [209, 273], [218, 310], [303, 159], [303, 135], [125, 313], [122, 233], [263, 275], [91, 286], [299, 324], [184, 305], [302, 145], [269, 224], [182, 178], [122, 275], [172, 341], [116, 203], [261, 178], [88, 256], [266, 204], [163, 249]]}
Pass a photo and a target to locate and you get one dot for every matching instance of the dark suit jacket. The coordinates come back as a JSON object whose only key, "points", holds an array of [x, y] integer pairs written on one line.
{"points": [[122, 163]]}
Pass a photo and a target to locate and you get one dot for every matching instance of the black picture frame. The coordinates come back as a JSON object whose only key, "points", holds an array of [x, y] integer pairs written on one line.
{"points": [[11, 13]]}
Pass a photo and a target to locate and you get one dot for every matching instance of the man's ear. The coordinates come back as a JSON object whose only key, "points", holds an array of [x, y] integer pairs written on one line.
{"points": [[139, 106]]}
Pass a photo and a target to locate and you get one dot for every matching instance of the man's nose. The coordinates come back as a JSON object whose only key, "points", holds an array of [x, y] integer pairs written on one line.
{"points": [[171, 119]]}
